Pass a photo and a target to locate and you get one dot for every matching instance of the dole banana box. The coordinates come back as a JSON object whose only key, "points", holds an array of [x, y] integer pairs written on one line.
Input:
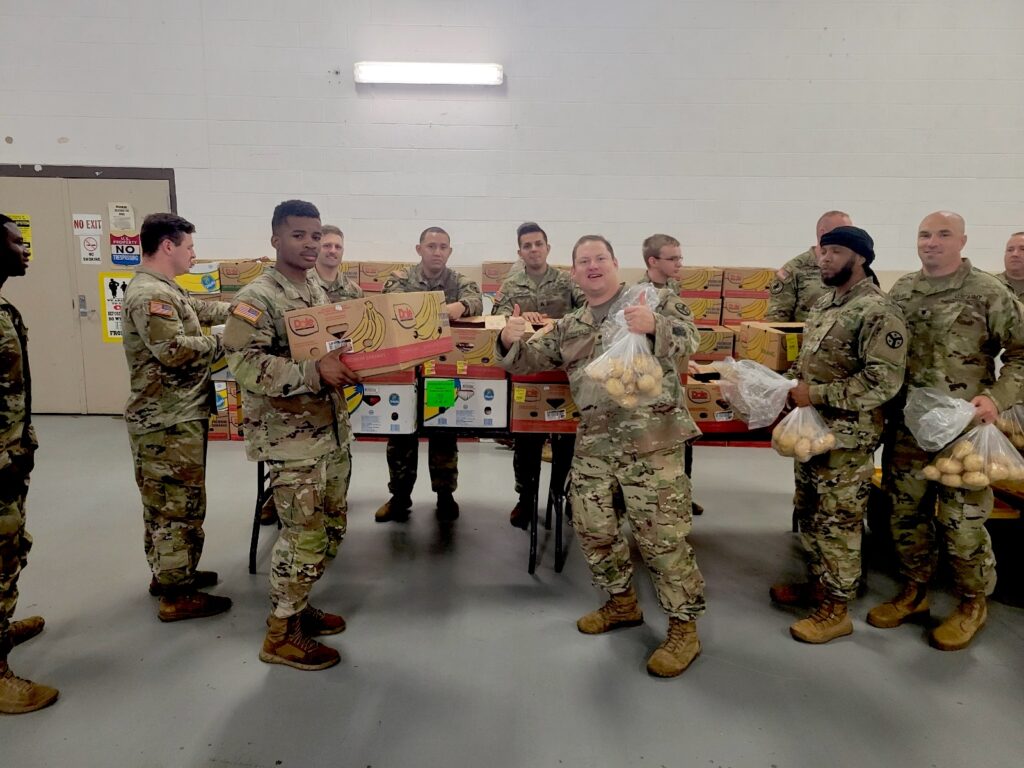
{"points": [[235, 274], [350, 269], [740, 309], [493, 274], [707, 310], [373, 274], [383, 405], [700, 281], [219, 421], [775, 345], [747, 281], [709, 408], [716, 343], [464, 403], [473, 353], [379, 333], [543, 403]]}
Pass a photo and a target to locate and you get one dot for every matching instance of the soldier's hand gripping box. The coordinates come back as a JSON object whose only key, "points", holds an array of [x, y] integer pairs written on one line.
{"points": [[383, 405], [379, 333], [465, 403], [775, 345], [543, 403], [473, 353]]}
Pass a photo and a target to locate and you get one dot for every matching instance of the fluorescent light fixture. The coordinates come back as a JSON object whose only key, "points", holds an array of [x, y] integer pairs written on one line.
{"points": [[428, 73]]}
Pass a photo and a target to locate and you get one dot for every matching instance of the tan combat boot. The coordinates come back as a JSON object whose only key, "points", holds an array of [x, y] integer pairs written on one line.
{"points": [[802, 595], [396, 509], [621, 610], [680, 648], [316, 622], [957, 631], [25, 629], [911, 601], [828, 622], [200, 580], [286, 643], [18, 695], [191, 605]]}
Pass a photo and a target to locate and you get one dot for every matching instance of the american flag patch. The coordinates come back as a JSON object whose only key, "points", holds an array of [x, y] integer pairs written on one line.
{"points": [[161, 308], [247, 312]]}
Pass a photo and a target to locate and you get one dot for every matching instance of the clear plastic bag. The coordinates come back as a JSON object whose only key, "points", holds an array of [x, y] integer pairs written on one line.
{"points": [[756, 392], [802, 434], [1011, 424], [626, 372], [982, 457], [934, 418]]}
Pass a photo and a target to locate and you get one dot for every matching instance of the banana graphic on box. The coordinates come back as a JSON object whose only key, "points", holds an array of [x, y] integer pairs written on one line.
{"points": [[370, 333], [755, 310], [757, 281], [427, 324]]}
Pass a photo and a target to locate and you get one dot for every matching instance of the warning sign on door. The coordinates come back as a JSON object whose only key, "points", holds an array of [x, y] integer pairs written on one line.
{"points": [[89, 247], [112, 288], [125, 250]]}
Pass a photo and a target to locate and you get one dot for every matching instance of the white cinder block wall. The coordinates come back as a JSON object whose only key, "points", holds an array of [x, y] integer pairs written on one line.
{"points": [[730, 124]]}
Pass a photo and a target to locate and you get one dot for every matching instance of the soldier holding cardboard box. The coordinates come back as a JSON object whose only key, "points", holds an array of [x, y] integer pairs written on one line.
{"points": [[463, 299], [634, 453], [851, 363], [296, 422]]}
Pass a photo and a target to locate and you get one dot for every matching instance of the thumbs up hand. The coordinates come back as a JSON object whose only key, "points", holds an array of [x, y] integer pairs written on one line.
{"points": [[514, 328], [639, 317]]}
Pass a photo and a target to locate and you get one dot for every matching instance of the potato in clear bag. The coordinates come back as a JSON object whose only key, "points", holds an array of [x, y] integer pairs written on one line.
{"points": [[802, 434]]}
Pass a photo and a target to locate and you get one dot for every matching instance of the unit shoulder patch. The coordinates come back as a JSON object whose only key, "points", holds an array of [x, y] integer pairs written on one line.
{"points": [[894, 339]]}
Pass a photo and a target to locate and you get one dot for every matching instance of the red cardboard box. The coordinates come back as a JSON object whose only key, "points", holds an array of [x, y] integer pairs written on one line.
{"points": [[542, 403]]}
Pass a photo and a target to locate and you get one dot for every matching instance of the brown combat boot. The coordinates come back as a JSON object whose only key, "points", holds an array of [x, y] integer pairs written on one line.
{"points": [[680, 648], [395, 510], [286, 643], [957, 631], [521, 516], [25, 629], [268, 512], [801, 595], [200, 580], [829, 621], [911, 601], [316, 622], [191, 605], [621, 610], [447, 507], [18, 695]]}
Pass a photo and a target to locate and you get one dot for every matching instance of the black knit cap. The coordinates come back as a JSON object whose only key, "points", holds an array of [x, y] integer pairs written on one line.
{"points": [[854, 238]]}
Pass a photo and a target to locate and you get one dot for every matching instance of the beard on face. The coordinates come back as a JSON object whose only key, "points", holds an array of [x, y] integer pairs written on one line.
{"points": [[839, 278]]}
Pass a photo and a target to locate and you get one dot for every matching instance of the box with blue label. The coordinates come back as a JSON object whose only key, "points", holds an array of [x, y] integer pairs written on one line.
{"points": [[383, 405], [465, 403]]}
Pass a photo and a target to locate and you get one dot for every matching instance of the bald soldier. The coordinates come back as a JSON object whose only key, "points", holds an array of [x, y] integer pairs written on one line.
{"points": [[958, 318], [1013, 261]]}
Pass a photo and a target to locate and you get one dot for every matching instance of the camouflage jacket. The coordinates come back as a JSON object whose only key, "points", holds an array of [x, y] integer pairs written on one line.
{"points": [[289, 412], [605, 429], [340, 288], [554, 295], [168, 356], [456, 287], [1017, 286], [795, 289], [672, 285], [958, 324], [17, 437], [853, 359]]}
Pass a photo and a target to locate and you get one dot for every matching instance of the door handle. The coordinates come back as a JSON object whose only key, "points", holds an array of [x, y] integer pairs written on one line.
{"points": [[83, 306]]}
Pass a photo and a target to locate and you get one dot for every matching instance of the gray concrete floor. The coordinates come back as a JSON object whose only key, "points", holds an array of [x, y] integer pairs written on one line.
{"points": [[455, 656]]}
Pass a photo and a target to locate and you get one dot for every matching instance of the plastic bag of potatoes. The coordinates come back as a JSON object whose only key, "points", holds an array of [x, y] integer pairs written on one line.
{"points": [[756, 392], [626, 372], [982, 457], [802, 434], [1011, 424]]}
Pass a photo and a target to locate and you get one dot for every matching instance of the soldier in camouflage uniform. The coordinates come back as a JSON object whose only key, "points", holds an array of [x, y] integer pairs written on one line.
{"points": [[959, 318], [296, 422], [17, 458], [637, 452], [1013, 260], [338, 287], [463, 300], [168, 414], [851, 363], [541, 292]]}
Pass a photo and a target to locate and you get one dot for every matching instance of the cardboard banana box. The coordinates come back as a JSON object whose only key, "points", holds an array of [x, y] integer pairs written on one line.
{"points": [[543, 403], [379, 333], [493, 274], [700, 281], [747, 281], [202, 281], [710, 409], [707, 310], [373, 274], [716, 343], [235, 274], [473, 353], [350, 269], [383, 405], [457, 403], [775, 345], [741, 309], [218, 429]]}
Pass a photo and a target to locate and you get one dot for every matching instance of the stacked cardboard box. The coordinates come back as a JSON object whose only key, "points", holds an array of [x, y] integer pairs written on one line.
{"points": [[235, 412], [236, 274], [543, 403], [458, 403], [716, 343], [474, 352], [373, 274], [745, 293], [219, 422], [494, 273], [350, 269], [383, 405], [775, 345], [202, 281]]}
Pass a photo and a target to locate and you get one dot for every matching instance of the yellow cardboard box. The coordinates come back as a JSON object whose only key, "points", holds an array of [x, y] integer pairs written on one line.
{"points": [[707, 310], [716, 343], [700, 281], [740, 309], [775, 345], [747, 281]]}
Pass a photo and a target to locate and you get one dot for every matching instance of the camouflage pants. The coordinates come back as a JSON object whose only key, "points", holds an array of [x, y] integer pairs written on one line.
{"points": [[170, 470], [307, 493], [15, 544], [339, 477], [805, 503], [837, 486], [403, 458], [526, 461], [656, 496], [920, 526]]}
